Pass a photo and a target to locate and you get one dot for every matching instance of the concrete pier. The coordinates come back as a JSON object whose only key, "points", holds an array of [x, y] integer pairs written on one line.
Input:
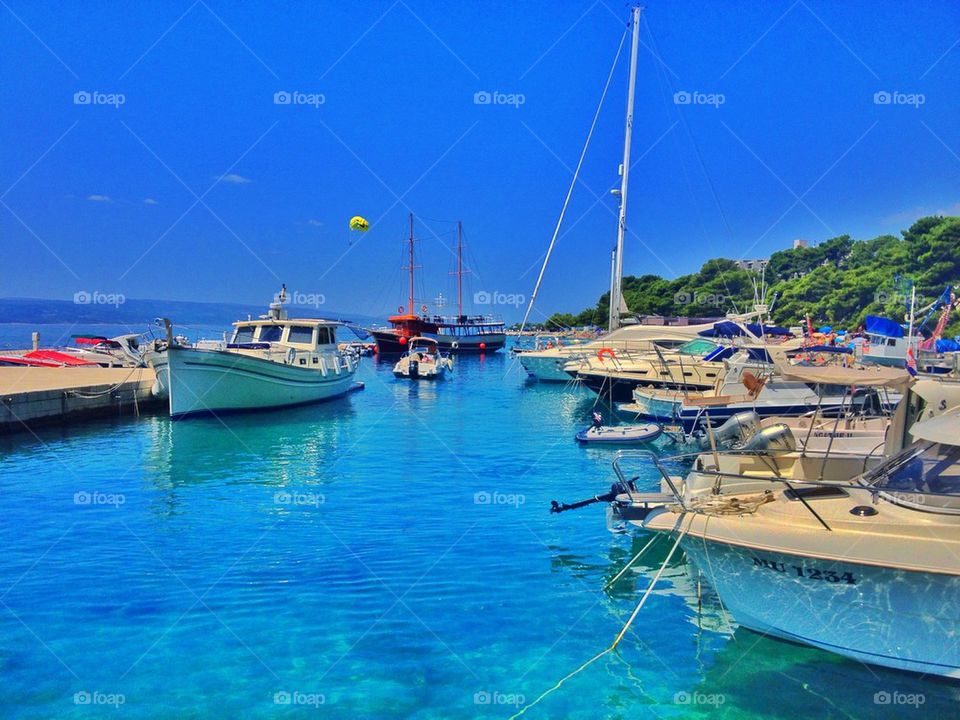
{"points": [[35, 396]]}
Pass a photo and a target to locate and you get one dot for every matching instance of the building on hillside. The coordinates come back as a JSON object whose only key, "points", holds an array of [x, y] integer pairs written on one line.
{"points": [[755, 265]]}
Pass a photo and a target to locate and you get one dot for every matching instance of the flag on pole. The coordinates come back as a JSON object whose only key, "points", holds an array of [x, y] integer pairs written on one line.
{"points": [[911, 362]]}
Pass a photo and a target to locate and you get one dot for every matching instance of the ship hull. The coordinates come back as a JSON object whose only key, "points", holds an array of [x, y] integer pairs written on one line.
{"points": [[388, 342], [876, 615], [211, 382]]}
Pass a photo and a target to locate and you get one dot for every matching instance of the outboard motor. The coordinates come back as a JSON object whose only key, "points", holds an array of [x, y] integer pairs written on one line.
{"points": [[414, 367], [737, 429], [777, 438]]}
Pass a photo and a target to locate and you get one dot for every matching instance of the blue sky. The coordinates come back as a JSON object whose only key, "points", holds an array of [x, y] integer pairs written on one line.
{"points": [[200, 187]]}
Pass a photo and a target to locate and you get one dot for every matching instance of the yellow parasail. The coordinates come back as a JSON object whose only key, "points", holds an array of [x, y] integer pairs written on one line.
{"points": [[359, 224]]}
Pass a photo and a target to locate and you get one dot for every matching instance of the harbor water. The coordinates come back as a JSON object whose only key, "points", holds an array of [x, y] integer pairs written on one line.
{"points": [[388, 554]]}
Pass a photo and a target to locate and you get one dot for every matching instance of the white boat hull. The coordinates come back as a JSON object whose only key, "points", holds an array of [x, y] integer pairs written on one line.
{"points": [[548, 367], [901, 619], [211, 381]]}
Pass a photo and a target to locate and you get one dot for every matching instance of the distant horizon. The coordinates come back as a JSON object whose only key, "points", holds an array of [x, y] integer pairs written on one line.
{"points": [[446, 310]]}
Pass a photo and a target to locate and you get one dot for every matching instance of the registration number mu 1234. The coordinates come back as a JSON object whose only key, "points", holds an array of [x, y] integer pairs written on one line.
{"points": [[806, 573]]}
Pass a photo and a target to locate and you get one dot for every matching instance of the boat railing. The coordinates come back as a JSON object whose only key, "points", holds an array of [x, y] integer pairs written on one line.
{"points": [[652, 457], [464, 319]]}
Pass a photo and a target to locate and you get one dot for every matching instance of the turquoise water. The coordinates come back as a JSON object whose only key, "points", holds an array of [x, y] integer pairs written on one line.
{"points": [[338, 553]]}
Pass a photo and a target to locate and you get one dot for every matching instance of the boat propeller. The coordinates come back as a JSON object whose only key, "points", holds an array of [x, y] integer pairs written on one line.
{"points": [[618, 488]]}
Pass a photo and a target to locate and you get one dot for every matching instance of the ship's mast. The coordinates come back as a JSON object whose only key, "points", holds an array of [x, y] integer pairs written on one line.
{"points": [[459, 269], [410, 307], [460, 272], [616, 289]]}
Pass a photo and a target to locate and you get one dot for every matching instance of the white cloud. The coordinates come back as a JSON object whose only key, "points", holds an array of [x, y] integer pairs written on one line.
{"points": [[315, 223], [232, 178], [150, 201], [100, 198]]}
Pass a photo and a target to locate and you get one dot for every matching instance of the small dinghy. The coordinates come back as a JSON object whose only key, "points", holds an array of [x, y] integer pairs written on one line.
{"points": [[601, 434]]}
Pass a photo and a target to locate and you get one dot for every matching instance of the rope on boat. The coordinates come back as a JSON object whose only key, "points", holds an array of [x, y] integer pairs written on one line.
{"points": [[632, 561], [620, 635], [721, 505]]}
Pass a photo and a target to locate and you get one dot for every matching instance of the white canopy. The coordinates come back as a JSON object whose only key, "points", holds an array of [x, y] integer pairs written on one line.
{"points": [[941, 429], [838, 375]]}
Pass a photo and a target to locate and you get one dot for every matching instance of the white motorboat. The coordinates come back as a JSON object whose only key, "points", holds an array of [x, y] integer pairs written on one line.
{"points": [[268, 363], [88, 351], [547, 363], [423, 361], [868, 569], [780, 390], [695, 365]]}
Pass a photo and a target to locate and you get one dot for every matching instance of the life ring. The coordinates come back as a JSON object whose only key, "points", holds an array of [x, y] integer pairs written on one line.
{"points": [[608, 352]]}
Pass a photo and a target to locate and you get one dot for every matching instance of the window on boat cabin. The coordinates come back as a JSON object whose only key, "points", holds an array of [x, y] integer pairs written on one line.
{"points": [[325, 336], [302, 334], [243, 334], [270, 333]]}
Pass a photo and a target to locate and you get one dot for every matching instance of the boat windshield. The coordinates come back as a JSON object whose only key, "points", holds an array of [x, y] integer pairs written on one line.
{"points": [[271, 333], [925, 476], [243, 334], [697, 347]]}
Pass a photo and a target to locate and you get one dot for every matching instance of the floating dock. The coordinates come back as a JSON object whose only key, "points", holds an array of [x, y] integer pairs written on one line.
{"points": [[35, 396]]}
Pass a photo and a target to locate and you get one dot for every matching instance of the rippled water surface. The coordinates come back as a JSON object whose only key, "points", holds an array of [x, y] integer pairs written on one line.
{"points": [[385, 555]]}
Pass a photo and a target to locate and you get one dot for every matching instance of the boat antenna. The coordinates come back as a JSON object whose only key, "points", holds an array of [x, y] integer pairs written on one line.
{"points": [[617, 289]]}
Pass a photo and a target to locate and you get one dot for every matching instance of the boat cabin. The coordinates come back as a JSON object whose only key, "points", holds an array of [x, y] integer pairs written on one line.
{"points": [[297, 333]]}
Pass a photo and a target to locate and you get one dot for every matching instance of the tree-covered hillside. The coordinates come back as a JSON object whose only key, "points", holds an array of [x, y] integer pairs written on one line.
{"points": [[838, 282]]}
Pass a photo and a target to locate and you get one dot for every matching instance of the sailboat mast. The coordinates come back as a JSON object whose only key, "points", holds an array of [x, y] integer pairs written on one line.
{"points": [[613, 275], [616, 289], [410, 308], [459, 269]]}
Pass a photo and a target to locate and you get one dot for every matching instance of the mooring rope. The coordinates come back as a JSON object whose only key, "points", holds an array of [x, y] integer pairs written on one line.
{"points": [[112, 388], [632, 561], [620, 635]]}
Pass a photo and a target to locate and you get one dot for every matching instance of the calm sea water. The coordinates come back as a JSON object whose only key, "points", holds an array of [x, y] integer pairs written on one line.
{"points": [[389, 554]]}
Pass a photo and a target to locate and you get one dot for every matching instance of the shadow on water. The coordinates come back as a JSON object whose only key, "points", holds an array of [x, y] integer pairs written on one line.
{"points": [[759, 676]]}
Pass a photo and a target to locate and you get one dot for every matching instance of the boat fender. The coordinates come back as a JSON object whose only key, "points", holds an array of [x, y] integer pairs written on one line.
{"points": [[291, 356]]}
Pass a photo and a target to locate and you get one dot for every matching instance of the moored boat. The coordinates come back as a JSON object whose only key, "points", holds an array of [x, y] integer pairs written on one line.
{"points": [[268, 363], [461, 333], [876, 557], [423, 361]]}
